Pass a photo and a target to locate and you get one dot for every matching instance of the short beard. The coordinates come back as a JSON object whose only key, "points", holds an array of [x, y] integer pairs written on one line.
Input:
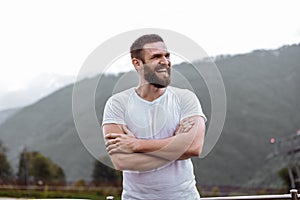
{"points": [[153, 79]]}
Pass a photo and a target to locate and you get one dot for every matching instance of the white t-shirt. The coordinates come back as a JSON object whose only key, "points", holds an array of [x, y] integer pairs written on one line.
{"points": [[156, 120]]}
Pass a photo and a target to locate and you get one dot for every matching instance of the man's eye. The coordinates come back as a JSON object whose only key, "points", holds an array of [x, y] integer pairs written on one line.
{"points": [[155, 56]]}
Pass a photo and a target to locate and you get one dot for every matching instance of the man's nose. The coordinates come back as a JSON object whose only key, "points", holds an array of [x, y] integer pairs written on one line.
{"points": [[165, 61]]}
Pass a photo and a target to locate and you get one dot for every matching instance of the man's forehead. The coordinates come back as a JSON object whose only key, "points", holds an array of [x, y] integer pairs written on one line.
{"points": [[155, 46]]}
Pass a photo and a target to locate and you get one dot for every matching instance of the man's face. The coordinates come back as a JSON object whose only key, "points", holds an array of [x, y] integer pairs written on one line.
{"points": [[157, 64]]}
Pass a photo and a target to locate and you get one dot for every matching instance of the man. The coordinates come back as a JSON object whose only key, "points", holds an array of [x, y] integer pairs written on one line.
{"points": [[153, 130]]}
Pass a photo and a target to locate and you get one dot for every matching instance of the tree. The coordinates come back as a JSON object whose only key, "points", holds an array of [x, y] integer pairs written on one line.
{"points": [[103, 174], [6, 173], [23, 172], [39, 168], [284, 175]]}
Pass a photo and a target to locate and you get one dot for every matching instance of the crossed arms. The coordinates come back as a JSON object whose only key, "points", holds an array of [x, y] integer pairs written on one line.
{"points": [[130, 153]]}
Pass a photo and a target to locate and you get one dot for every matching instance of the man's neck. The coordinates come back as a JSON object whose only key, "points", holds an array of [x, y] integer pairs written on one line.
{"points": [[149, 92]]}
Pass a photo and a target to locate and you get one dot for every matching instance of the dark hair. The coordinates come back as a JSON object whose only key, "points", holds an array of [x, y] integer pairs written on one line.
{"points": [[136, 49]]}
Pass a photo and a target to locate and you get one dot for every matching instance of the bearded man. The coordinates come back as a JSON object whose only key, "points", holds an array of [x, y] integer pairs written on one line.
{"points": [[153, 129]]}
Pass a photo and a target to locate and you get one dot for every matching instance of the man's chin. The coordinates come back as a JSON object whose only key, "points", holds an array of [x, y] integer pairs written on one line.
{"points": [[158, 85], [156, 81]]}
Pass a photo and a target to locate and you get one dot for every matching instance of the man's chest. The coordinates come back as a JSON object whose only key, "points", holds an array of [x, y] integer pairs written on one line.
{"points": [[153, 121]]}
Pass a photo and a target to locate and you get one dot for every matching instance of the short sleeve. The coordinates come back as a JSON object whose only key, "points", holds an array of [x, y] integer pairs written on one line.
{"points": [[113, 112], [190, 105]]}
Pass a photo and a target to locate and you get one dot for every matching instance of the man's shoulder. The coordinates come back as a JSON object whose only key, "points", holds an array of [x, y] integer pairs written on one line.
{"points": [[179, 91], [123, 94]]}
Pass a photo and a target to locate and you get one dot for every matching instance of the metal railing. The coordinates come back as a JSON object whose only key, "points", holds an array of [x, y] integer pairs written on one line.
{"points": [[293, 196]]}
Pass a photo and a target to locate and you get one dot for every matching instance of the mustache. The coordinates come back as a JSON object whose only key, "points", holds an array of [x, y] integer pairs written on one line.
{"points": [[159, 67]]}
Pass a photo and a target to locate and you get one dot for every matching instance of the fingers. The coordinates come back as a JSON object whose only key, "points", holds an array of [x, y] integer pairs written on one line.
{"points": [[126, 130], [120, 142], [113, 149], [112, 146], [113, 135], [187, 124], [110, 142], [188, 127], [188, 121]]}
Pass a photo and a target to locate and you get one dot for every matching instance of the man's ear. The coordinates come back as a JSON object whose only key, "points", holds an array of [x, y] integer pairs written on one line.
{"points": [[136, 63]]}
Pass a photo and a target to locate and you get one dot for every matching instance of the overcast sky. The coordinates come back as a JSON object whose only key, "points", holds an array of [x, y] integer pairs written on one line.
{"points": [[56, 36]]}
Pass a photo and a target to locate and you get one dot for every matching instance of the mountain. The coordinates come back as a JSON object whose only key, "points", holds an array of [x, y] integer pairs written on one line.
{"points": [[263, 94], [38, 87], [6, 114], [262, 102]]}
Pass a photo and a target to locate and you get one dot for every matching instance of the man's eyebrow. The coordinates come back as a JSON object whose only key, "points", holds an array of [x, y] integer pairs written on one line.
{"points": [[156, 55], [160, 54]]}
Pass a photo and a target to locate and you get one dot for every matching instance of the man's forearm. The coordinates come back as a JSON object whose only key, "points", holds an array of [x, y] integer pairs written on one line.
{"points": [[180, 146], [137, 161], [128, 160], [172, 148]]}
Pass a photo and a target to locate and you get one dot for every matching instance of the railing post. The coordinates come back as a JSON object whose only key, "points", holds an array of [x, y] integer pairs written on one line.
{"points": [[294, 194], [291, 177]]}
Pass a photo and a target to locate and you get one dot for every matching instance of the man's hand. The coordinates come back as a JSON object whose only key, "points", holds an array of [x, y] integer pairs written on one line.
{"points": [[185, 126], [121, 143]]}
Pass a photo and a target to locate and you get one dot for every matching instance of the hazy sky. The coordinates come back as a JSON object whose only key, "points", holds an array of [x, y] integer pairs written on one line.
{"points": [[56, 36]]}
